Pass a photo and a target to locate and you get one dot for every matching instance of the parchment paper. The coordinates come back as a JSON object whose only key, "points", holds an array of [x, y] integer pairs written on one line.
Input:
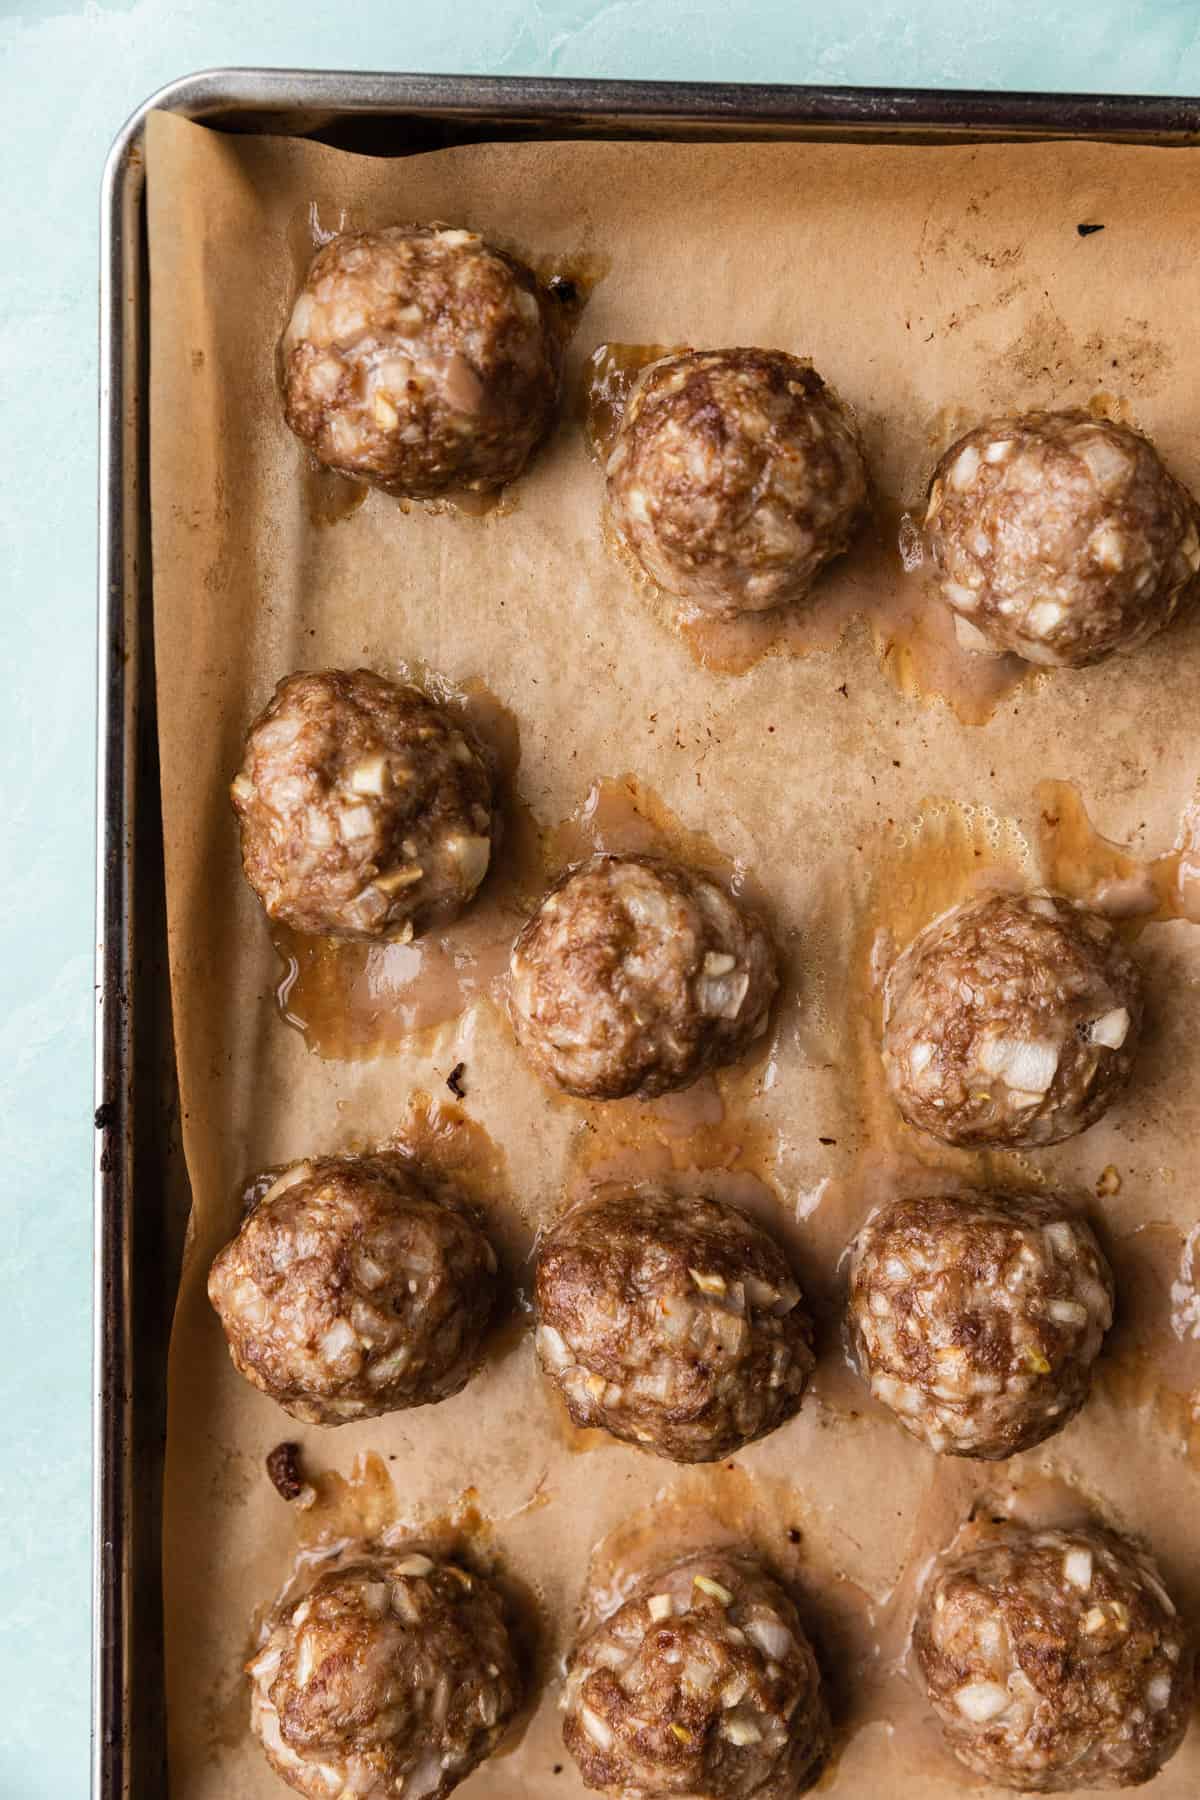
{"points": [[929, 285]]}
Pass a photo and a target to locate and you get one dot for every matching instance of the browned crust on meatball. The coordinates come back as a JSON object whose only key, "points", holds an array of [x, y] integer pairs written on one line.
{"points": [[367, 810], [357, 1286], [1012, 1020], [736, 475], [635, 976], [703, 1683], [1060, 536], [1054, 1660], [393, 1673], [976, 1318], [422, 359], [672, 1321]]}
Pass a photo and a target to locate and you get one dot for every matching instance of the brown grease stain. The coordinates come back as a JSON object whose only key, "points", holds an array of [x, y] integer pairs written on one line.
{"points": [[622, 815], [361, 1507], [352, 1000], [577, 1440], [455, 1150], [438, 1135], [1133, 891], [1151, 1358], [358, 1506], [569, 282], [1104, 405], [882, 581], [458, 503], [608, 380], [330, 497], [720, 1505]]}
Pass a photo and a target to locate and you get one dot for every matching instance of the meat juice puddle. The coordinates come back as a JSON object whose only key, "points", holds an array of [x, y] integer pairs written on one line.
{"points": [[351, 1000], [881, 579], [1133, 891]]}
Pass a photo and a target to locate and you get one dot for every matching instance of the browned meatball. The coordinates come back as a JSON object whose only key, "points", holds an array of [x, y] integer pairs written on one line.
{"points": [[1054, 1660], [976, 1318], [357, 1286], [421, 359], [735, 477], [703, 1683], [635, 975], [1011, 1020], [393, 1674], [367, 810], [1060, 536], [672, 1321]]}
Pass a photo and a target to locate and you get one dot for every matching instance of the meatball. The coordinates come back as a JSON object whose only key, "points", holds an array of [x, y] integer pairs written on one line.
{"points": [[672, 1321], [394, 1673], [356, 1287], [1060, 536], [977, 1318], [1011, 1020], [1054, 1660], [420, 359], [635, 975], [703, 1683], [367, 810], [735, 477]]}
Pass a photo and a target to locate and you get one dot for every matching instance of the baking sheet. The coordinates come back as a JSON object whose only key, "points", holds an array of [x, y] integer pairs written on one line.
{"points": [[929, 285]]}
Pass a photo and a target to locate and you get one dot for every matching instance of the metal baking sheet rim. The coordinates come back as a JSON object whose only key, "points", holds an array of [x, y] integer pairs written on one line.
{"points": [[387, 114]]}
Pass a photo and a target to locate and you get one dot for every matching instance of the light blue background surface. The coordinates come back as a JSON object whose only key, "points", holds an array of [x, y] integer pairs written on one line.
{"points": [[69, 75]]}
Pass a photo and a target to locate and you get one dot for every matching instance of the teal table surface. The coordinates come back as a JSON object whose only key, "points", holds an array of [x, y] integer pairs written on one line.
{"points": [[70, 72]]}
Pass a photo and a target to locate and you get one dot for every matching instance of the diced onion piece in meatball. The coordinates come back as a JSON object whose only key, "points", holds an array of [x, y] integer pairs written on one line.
{"points": [[355, 1288], [1011, 1020], [635, 976], [735, 477], [976, 1318], [1060, 536], [1054, 1660], [672, 1321], [367, 810], [392, 1674], [421, 359], [703, 1683]]}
